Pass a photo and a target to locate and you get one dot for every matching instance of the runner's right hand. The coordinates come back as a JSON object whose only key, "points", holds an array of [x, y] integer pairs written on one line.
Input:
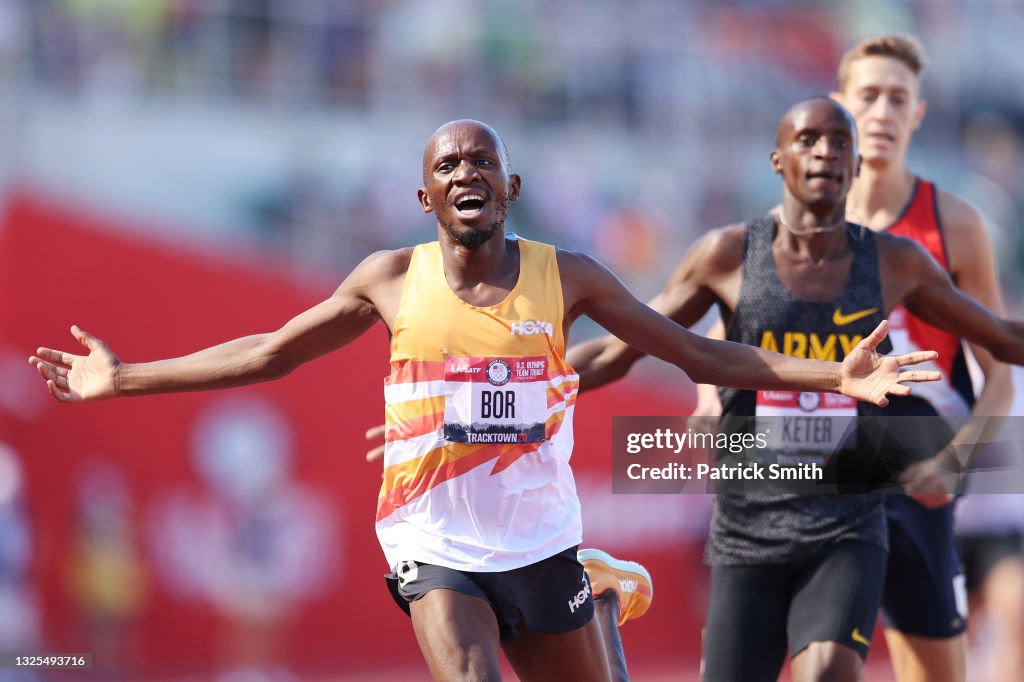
{"points": [[79, 378]]}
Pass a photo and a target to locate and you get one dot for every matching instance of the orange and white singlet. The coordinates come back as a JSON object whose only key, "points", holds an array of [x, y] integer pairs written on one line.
{"points": [[479, 409]]}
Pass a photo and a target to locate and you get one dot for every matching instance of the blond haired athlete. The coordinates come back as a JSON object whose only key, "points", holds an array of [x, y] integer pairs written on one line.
{"points": [[924, 605]]}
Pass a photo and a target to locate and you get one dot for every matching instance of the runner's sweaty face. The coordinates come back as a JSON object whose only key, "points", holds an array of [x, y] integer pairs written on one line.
{"points": [[467, 183], [816, 152]]}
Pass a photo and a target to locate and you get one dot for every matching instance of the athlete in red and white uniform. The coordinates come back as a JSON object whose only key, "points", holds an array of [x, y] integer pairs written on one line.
{"points": [[924, 602]]}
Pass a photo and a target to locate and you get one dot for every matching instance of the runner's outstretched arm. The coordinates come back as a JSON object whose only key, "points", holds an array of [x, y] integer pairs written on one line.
{"points": [[934, 299], [329, 325], [932, 482], [692, 289], [863, 375]]}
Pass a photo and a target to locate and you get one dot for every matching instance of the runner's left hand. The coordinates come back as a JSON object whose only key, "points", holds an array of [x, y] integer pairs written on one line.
{"points": [[870, 377]]}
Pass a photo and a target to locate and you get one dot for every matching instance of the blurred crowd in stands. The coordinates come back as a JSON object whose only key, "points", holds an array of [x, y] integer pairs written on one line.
{"points": [[633, 122]]}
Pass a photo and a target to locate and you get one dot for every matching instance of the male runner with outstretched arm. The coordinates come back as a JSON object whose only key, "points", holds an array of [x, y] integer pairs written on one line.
{"points": [[478, 514]]}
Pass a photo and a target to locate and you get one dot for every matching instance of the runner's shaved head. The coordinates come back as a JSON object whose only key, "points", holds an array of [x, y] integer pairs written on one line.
{"points": [[451, 126], [786, 121]]}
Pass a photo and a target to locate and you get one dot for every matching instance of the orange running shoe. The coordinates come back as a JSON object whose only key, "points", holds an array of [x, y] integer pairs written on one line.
{"points": [[630, 580]]}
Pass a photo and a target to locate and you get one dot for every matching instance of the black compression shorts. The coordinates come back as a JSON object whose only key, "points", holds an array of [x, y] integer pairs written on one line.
{"points": [[758, 611]]}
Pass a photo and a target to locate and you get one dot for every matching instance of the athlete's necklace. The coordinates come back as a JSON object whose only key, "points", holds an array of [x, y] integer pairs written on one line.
{"points": [[807, 232]]}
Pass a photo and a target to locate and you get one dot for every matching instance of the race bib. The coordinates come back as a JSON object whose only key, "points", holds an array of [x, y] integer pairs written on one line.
{"points": [[811, 423], [495, 400]]}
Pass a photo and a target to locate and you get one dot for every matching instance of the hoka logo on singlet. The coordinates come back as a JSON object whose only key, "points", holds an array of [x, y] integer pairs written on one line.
{"points": [[810, 346], [530, 327]]}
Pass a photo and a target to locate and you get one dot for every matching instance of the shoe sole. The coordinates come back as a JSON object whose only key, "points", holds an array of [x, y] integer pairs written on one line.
{"points": [[616, 564]]}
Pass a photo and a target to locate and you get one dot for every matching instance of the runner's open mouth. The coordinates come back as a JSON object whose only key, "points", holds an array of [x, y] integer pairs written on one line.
{"points": [[469, 204]]}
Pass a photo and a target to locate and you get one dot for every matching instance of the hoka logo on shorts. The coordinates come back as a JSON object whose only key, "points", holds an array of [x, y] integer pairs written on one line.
{"points": [[407, 572], [530, 327], [580, 599]]}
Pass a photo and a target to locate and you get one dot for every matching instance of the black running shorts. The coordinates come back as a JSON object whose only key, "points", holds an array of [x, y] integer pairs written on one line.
{"points": [[925, 592], [550, 596], [758, 611]]}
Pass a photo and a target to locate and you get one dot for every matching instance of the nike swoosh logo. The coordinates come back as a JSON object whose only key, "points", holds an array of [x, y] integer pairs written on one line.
{"points": [[859, 638], [839, 320]]}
